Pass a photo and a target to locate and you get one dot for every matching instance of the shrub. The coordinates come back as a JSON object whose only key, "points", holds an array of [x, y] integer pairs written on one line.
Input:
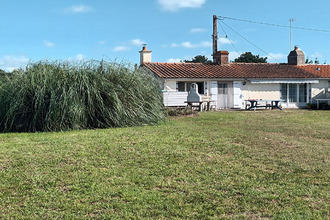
{"points": [[180, 111], [65, 96]]}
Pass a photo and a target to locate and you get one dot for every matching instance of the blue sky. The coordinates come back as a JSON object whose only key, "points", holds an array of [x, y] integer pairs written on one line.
{"points": [[33, 30]]}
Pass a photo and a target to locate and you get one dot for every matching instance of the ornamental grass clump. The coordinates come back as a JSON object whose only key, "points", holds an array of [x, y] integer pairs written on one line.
{"points": [[65, 96]]}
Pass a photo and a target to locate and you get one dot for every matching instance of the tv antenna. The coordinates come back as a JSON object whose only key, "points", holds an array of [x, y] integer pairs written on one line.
{"points": [[291, 20]]}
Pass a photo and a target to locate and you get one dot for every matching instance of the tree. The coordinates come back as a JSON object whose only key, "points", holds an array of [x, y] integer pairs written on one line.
{"points": [[199, 59], [3, 74], [248, 57]]}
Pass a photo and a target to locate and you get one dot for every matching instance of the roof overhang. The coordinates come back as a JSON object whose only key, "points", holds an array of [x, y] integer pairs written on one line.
{"points": [[278, 81]]}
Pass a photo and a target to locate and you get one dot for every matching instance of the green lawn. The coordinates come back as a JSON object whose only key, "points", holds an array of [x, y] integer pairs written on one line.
{"points": [[218, 165]]}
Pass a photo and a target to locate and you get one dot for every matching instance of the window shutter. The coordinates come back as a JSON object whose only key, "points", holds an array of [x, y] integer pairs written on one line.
{"points": [[205, 87], [237, 94], [214, 91]]}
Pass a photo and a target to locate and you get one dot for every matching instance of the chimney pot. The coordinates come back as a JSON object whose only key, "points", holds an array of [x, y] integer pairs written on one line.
{"points": [[145, 55], [144, 48]]}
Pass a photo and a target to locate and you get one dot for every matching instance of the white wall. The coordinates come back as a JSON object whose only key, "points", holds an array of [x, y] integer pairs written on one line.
{"points": [[172, 97], [170, 85], [175, 98], [260, 91], [249, 91], [318, 90]]}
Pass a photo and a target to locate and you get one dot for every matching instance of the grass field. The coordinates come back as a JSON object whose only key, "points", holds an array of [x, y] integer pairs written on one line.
{"points": [[218, 165]]}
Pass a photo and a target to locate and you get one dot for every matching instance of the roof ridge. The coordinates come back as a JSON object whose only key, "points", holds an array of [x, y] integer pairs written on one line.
{"points": [[234, 63], [257, 63], [179, 63]]}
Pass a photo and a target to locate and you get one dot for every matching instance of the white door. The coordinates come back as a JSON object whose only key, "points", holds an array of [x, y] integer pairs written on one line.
{"points": [[237, 87], [224, 95], [303, 94], [214, 92]]}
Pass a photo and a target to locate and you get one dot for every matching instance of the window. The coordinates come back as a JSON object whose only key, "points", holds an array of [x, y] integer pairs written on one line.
{"points": [[222, 88], [185, 87], [181, 86], [293, 93], [303, 92], [284, 92]]}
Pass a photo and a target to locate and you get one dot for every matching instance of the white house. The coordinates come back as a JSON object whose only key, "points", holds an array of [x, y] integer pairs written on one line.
{"points": [[229, 84]]}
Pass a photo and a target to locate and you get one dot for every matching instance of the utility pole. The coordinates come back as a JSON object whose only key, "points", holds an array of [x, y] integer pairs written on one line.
{"points": [[291, 20], [215, 37]]}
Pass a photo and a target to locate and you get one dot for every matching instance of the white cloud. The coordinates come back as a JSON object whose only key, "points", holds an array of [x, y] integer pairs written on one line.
{"points": [[189, 45], [233, 55], [48, 44], [174, 60], [80, 57], [174, 5], [223, 40], [79, 9], [127, 45], [9, 62], [186, 44], [137, 42], [197, 30], [121, 48], [77, 58], [205, 44]]}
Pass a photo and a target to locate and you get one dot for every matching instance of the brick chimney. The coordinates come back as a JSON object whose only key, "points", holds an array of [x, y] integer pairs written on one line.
{"points": [[222, 57], [145, 55], [296, 57]]}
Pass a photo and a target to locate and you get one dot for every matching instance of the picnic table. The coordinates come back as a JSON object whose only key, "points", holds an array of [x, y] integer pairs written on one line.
{"points": [[267, 103]]}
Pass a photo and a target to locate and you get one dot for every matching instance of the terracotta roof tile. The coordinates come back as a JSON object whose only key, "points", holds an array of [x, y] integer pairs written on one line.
{"points": [[238, 70]]}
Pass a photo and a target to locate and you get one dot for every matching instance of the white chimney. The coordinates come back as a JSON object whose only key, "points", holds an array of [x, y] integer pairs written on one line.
{"points": [[145, 55]]}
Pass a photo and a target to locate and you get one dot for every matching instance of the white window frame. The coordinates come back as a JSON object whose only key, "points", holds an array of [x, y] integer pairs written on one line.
{"points": [[298, 102], [186, 83]]}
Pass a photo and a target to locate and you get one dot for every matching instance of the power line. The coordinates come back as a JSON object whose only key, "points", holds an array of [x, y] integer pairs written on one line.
{"points": [[221, 18], [249, 41], [231, 42]]}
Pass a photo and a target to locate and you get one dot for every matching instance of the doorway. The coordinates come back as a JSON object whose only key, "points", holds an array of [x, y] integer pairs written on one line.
{"points": [[294, 95], [225, 99]]}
